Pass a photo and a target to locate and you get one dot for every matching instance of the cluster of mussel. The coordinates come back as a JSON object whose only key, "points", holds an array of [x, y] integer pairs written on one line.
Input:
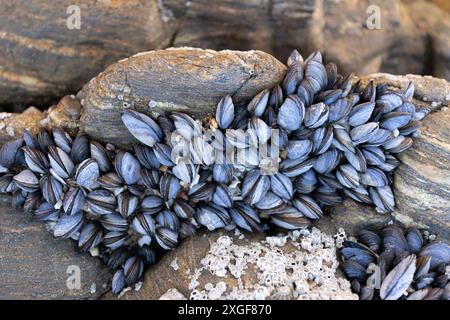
{"points": [[335, 139], [392, 264]]}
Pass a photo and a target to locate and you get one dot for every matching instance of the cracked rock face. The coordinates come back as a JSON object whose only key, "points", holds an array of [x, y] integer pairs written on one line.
{"points": [[177, 79]]}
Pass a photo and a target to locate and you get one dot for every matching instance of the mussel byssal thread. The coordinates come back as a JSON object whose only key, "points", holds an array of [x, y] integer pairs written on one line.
{"points": [[334, 139]]}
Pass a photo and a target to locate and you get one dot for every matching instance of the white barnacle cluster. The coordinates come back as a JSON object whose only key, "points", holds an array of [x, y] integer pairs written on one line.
{"points": [[301, 265]]}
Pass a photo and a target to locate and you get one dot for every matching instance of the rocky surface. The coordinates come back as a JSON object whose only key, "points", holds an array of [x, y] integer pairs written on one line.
{"points": [[43, 60], [177, 79], [36, 266], [301, 265]]}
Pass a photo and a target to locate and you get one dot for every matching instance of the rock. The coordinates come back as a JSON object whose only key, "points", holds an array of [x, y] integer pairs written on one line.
{"points": [[235, 25], [12, 125], [352, 43], [65, 115], [422, 181], [433, 25], [226, 265], [353, 217], [36, 266], [183, 79], [42, 59]]}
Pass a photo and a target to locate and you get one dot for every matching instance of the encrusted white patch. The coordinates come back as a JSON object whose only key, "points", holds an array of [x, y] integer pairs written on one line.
{"points": [[300, 265]]}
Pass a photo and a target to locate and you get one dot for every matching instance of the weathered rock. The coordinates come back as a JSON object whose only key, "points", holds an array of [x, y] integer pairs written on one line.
{"points": [[350, 42], [236, 25], [63, 115], [251, 266], [42, 58], [183, 79], [12, 125], [422, 181], [352, 217], [432, 25], [36, 266]]}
